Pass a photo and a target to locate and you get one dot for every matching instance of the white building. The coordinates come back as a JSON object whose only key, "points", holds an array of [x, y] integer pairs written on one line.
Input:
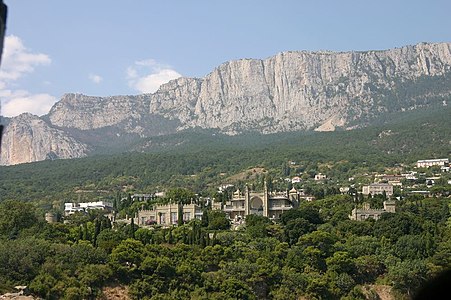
{"points": [[410, 176], [320, 177], [141, 197], [426, 163], [296, 179], [71, 208]]}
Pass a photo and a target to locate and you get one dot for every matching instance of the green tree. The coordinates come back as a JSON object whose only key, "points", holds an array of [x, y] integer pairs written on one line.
{"points": [[256, 226], [407, 276], [217, 220], [16, 216], [127, 257], [180, 214], [108, 239], [237, 289], [295, 228], [180, 195]]}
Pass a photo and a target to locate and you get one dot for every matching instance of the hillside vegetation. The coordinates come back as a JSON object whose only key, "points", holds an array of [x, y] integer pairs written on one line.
{"points": [[200, 160]]}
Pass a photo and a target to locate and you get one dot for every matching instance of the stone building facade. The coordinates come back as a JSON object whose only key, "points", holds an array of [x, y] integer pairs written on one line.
{"points": [[378, 189], [361, 214], [168, 214], [268, 204]]}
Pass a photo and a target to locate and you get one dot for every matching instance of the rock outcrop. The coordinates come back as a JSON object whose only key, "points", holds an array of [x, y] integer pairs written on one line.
{"points": [[28, 138], [300, 90], [290, 91]]}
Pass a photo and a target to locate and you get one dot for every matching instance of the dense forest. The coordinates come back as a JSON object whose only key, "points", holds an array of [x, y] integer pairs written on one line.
{"points": [[313, 252]]}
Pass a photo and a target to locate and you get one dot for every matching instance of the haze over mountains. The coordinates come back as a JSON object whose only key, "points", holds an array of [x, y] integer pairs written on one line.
{"points": [[291, 91]]}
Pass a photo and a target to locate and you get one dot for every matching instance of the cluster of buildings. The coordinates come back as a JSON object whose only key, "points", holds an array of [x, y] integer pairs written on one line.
{"points": [[242, 203], [265, 203]]}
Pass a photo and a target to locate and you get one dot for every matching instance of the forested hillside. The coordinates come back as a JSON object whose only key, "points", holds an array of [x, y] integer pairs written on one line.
{"points": [[200, 160], [315, 252]]}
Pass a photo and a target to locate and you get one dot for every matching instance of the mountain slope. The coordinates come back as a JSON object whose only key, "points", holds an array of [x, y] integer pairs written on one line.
{"points": [[28, 138], [201, 158], [291, 91]]}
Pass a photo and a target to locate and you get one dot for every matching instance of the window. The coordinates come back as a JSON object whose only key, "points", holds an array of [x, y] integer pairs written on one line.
{"points": [[173, 217]]}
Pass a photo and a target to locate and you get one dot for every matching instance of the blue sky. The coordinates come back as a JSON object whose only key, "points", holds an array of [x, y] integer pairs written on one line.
{"points": [[112, 47]]}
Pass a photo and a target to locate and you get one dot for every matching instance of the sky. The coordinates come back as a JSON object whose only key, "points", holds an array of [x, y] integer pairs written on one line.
{"points": [[112, 47]]}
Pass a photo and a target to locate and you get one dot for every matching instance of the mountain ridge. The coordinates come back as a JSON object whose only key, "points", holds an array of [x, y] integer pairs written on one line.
{"points": [[290, 91]]}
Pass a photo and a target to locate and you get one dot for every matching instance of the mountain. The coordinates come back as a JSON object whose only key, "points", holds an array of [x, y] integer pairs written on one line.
{"points": [[291, 91], [28, 138]]}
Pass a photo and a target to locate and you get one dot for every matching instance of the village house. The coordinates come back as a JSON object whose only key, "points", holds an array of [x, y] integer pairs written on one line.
{"points": [[141, 197], [344, 190], [296, 179], [378, 189], [411, 176], [320, 176], [394, 180]]}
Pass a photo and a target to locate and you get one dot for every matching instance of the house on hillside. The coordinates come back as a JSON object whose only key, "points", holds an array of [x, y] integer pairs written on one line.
{"points": [[168, 214], [71, 207], [295, 179], [426, 163], [320, 176], [378, 189]]}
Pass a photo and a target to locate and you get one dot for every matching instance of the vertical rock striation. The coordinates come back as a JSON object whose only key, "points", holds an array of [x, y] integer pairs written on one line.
{"points": [[290, 91], [28, 138]]}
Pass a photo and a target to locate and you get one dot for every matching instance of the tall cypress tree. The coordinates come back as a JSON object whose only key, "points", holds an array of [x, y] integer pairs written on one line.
{"points": [[180, 214], [132, 228]]}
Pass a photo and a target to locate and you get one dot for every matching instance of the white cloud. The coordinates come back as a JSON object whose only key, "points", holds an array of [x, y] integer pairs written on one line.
{"points": [[146, 76], [18, 102], [18, 61], [95, 78]]}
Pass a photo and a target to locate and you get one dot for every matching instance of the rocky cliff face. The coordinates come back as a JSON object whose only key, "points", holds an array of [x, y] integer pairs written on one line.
{"points": [[27, 138], [300, 90], [287, 92]]}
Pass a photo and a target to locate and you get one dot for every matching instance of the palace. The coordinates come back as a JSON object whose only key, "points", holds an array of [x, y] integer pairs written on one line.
{"points": [[168, 214], [268, 204]]}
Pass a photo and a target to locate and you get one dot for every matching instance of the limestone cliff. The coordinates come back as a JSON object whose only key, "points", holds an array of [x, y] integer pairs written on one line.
{"points": [[302, 90], [290, 91], [27, 138]]}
